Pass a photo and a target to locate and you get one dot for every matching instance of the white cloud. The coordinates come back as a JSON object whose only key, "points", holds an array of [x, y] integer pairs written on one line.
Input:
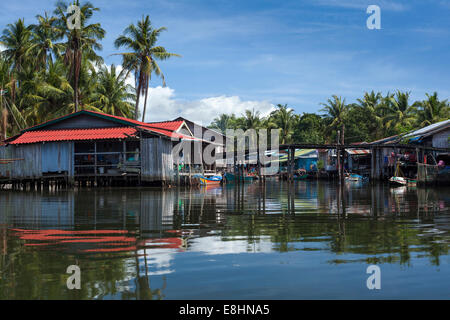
{"points": [[163, 105]]}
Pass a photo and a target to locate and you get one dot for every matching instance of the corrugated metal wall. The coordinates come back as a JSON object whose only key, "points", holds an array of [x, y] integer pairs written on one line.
{"points": [[156, 160], [29, 167], [56, 157], [38, 158]]}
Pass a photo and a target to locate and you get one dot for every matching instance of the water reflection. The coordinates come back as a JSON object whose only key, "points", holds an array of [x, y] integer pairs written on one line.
{"points": [[149, 244]]}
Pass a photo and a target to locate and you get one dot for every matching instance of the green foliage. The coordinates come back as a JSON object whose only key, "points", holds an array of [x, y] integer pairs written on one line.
{"points": [[373, 117], [47, 70]]}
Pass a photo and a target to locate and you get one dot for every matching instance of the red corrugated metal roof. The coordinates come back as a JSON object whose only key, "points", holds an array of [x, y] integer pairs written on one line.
{"points": [[166, 128], [168, 133], [74, 135], [167, 125]]}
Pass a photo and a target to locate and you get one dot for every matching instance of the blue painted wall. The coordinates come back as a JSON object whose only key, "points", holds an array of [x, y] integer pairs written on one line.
{"points": [[56, 157]]}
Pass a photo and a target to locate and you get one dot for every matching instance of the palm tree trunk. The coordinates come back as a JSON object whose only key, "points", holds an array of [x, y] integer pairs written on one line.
{"points": [[145, 104], [138, 94], [75, 79]]}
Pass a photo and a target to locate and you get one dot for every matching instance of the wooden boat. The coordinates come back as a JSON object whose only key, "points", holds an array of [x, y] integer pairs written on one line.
{"points": [[230, 177], [354, 178], [399, 180], [301, 175], [210, 181]]}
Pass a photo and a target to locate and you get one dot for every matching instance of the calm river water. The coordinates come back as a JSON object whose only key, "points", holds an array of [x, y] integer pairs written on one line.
{"points": [[275, 242]]}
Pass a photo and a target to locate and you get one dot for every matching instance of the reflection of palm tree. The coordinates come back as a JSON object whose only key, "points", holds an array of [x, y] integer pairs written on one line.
{"points": [[143, 290]]}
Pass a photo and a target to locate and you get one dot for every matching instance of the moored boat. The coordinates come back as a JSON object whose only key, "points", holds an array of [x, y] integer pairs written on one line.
{"points": [[354, 178], [231, 177], [401, 181], [210, 181]]}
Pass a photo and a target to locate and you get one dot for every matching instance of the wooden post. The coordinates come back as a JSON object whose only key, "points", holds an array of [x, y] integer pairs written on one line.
{"points": [[291, 152], [338, 156], [343, 155]]}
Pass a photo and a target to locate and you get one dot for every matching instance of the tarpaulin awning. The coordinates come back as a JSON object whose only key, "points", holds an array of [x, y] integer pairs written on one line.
{"points": [[358, 151]]}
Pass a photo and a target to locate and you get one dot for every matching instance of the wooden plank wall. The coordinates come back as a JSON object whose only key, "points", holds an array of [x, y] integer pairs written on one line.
{"points": [[28, 168], [156, 160], [37, 158]]}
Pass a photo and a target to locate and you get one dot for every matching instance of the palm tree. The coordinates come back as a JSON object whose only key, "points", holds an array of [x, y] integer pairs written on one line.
{"points": [[222, 123], [400, 115], [44, 37], [46, 94], [335, 114], [284, 119], [251, 120], [432, 110], [141, 39], [371, 105], [113, 95], [16, 39], [81, 43]]}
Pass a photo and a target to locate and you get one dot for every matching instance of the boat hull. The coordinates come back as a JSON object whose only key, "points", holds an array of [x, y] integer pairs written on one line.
{"points": [[231, 177], [213, 181]]}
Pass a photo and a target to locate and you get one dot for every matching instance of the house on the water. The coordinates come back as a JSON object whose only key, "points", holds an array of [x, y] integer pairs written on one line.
{"points": [[89, 146]]}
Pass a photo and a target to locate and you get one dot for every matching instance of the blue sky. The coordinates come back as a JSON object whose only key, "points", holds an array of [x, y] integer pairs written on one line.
{"points": [[254, 54]]}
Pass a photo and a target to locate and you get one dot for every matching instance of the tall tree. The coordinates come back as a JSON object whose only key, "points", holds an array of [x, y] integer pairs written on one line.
{"points": [[335, 115], [400, 114], [141, 39], [222, 122], [113, 95], [45, 33], [433, 110], [251, 119], [16, 39], [79, 42], [371, 106], [284, 119]]}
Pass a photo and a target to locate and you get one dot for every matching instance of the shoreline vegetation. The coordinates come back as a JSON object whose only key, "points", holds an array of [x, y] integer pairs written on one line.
{"points": [[47, 71], [374, 116]]}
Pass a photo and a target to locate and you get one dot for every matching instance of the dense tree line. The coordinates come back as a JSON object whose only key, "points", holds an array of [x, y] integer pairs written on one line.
{"points": [[48, 70], [372, 117]]}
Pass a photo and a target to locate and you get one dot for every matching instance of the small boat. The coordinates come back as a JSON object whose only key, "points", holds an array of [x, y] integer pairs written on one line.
{"points": [[210, 181], [301, 175], [354, 177], [399, 180], [230, 177]]}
